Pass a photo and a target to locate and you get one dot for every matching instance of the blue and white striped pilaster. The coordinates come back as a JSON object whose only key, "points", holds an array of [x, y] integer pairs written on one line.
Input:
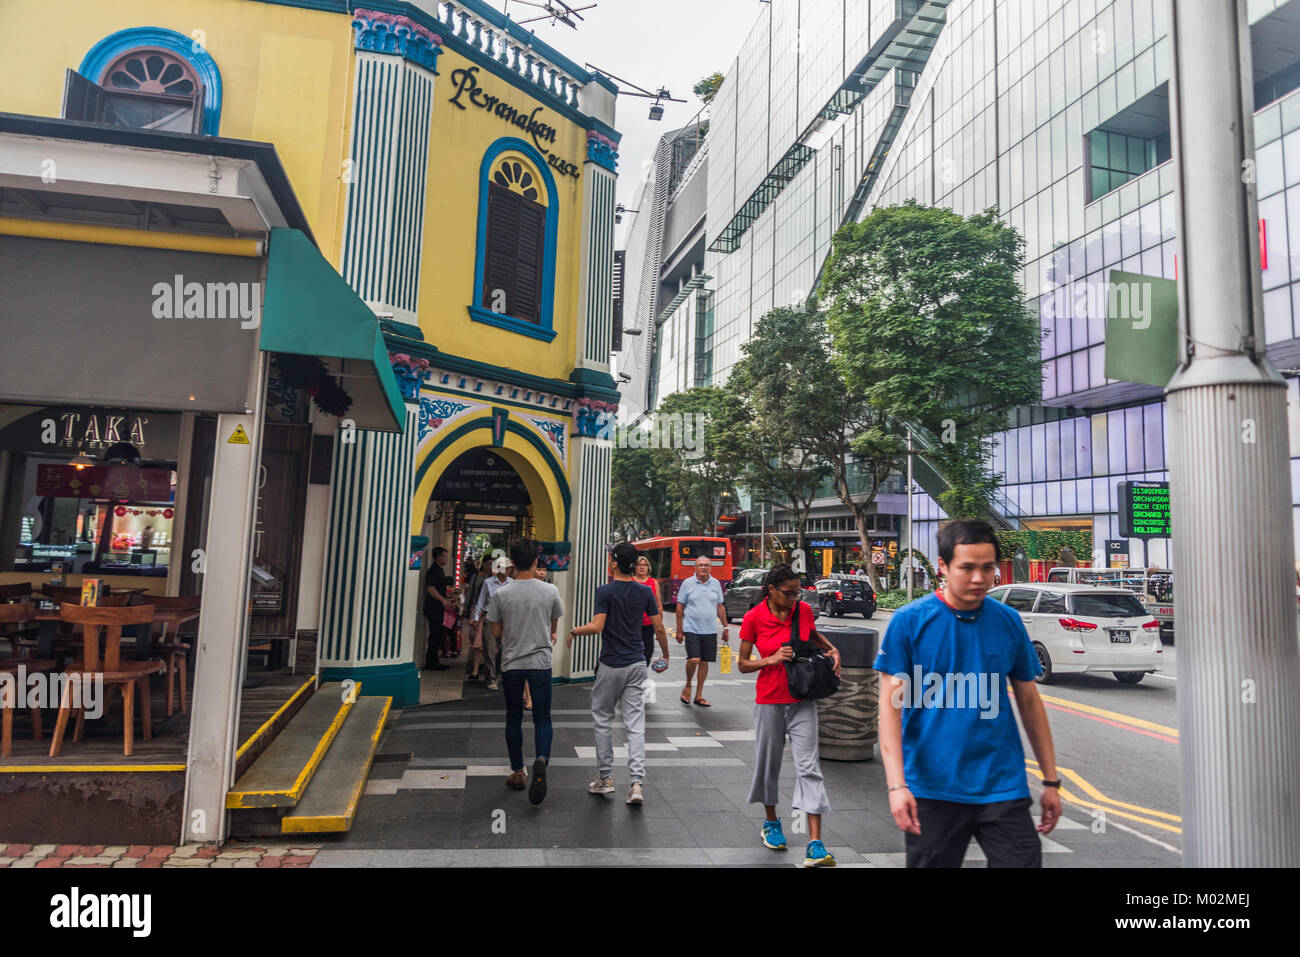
{"points": [[387, 179], [366, 628], [588, 532], [596, 284]]}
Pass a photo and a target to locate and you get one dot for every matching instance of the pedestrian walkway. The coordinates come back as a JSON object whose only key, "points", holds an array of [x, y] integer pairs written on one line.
{"points": [[436, 795], [235, 854]]}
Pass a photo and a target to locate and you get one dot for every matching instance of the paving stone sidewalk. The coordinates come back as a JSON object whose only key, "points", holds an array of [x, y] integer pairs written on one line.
{"points": [[234, 854], [436, 795]]}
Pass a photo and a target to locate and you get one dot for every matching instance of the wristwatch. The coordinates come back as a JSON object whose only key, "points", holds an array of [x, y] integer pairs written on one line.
{"points": [[896, 787], [1052, 784]]}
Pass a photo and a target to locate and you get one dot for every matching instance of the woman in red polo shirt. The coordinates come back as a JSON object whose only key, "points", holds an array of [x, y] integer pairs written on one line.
{"points": [[767, 627]]}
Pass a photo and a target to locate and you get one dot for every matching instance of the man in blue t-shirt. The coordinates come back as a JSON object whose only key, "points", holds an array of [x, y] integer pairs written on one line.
{"points": [[948, 738], [620, 675]]}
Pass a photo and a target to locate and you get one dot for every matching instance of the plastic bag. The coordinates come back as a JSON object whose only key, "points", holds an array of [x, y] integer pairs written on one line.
{"points": [[724, 659]]}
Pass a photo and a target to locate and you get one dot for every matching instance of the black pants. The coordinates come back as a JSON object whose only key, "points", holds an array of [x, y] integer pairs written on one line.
{"points": [[648, 637], [433, 615], [1005, 832]]}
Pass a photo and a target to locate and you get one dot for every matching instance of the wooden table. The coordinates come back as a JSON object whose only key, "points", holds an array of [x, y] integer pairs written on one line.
{"points": [[171, 618]]}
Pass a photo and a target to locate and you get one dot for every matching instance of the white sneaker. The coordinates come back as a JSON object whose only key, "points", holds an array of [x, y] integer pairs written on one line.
{"points": [[601, 786], [634, 794]]}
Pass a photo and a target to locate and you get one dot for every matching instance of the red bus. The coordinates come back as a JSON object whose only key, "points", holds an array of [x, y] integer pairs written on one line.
{"points": [[672, 561]]}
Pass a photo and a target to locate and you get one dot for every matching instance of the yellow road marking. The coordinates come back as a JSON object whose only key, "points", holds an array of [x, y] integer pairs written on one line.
{"points": [[1113, 715], [1111, 805]]}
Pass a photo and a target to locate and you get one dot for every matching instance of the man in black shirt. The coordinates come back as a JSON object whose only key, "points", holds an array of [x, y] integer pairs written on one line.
{"points": [[436, 602], [621, 675]]}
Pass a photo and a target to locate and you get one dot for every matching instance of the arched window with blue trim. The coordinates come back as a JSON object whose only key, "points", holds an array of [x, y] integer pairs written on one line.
{"points": [[514, 276], [147, 78]]}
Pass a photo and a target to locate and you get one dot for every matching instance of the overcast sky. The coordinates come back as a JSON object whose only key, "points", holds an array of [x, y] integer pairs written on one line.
{"points": [[664, 43]]}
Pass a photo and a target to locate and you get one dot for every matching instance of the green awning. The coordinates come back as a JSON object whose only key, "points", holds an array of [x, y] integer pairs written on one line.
{"points": [[310, 311]]}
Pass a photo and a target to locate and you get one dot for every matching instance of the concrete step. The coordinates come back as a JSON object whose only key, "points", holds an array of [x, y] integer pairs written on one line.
{"points": [[331, 800], [280, 775]]}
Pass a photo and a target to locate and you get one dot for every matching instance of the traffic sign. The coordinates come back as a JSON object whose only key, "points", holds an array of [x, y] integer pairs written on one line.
{"points": [[877, 558]]}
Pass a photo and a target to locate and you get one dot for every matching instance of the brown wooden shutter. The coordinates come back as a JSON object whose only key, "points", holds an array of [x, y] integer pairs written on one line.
{"points": [[516, 229]]}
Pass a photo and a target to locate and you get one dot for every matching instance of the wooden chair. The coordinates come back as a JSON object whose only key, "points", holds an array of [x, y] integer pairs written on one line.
{"points": [[173, 652], [111, 670], [68, 644], [10, 691], [21, 638]]}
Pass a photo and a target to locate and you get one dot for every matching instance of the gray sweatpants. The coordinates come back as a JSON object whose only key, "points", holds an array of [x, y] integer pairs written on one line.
{"points": [[772, 722], [626, 684]]}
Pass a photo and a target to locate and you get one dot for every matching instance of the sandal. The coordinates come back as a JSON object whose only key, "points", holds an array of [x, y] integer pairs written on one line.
{"points": [[703, 703], [686, 697]]}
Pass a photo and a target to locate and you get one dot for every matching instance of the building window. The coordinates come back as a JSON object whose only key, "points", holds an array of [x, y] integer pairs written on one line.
{"points": [[516, 249], [146, 78], [1134, 140]]}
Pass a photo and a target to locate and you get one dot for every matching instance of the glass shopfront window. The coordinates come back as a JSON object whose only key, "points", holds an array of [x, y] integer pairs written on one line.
{"points": [[87, 490]]}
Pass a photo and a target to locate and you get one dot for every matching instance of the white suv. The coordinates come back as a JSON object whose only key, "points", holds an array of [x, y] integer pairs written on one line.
{"points": [[1081, 628]]}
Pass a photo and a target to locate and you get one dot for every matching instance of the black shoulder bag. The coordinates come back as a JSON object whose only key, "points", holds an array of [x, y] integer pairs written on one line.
{"points": [[811, 673]]}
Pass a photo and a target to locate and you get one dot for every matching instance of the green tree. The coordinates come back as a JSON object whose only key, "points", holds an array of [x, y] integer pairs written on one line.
{"points": [[768, 441], [642, 498], [707, 88], [789, 372], [698, 466], [930, 327]]}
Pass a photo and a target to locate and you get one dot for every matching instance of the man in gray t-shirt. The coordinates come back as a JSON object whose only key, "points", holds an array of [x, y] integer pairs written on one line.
{"points": [[526, 612], [523, 616]]}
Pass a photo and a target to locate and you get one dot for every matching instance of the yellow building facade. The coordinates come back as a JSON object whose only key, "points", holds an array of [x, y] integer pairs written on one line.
{"points": [[460, 176]]}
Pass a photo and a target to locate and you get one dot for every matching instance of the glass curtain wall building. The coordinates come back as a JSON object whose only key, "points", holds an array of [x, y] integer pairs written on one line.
{"points": [[1054, 111]]}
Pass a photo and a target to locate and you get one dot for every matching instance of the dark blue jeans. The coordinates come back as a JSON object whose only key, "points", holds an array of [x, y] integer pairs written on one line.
{"points": [[539, 686]]}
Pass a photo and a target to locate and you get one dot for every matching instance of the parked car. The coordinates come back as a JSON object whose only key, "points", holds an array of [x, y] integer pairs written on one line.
{"points": [[841, 594], [1086, 628], [1154, 588], [746, 587]]}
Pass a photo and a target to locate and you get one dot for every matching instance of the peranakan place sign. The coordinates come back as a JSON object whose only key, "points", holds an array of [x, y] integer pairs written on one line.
{"points": [[543, 134]]}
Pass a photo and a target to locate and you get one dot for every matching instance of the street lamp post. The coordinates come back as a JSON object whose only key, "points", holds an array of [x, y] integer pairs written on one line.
{"points": [[1238, 659]]}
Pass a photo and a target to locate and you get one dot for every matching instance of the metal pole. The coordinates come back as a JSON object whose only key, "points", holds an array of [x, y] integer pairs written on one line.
{"points": [[1238, 661], [762, 534], [910, 556]]}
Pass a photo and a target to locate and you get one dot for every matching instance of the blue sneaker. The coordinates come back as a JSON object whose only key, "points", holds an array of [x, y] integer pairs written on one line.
{"points": [[773, 836], [817, 855]]}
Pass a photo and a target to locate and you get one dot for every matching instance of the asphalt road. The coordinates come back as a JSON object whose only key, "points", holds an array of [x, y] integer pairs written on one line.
{"points": [[1116, 745]]}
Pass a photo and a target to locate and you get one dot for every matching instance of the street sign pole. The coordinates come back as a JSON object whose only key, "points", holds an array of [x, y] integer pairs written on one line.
{"points": [[1238, 660], [911, 557]]}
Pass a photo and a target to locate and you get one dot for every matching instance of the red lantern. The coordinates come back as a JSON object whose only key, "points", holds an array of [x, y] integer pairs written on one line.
{"points": [[119, 511], [167, 513]]}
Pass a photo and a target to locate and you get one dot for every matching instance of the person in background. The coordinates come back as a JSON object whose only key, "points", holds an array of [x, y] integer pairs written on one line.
{"points": [[699, 612], [647, 626], [474, 579], [436, 602], [524, 617], [621, 676], [500, 579], [766, 627]]}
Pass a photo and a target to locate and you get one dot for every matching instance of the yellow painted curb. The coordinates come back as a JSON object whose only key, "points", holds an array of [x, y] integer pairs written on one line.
{"points": [[235, 799], [93, 768], [343, 822], [271, 720]]}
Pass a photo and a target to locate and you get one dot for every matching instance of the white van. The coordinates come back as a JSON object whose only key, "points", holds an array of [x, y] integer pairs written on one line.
{"points": [[1154, 588]]}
